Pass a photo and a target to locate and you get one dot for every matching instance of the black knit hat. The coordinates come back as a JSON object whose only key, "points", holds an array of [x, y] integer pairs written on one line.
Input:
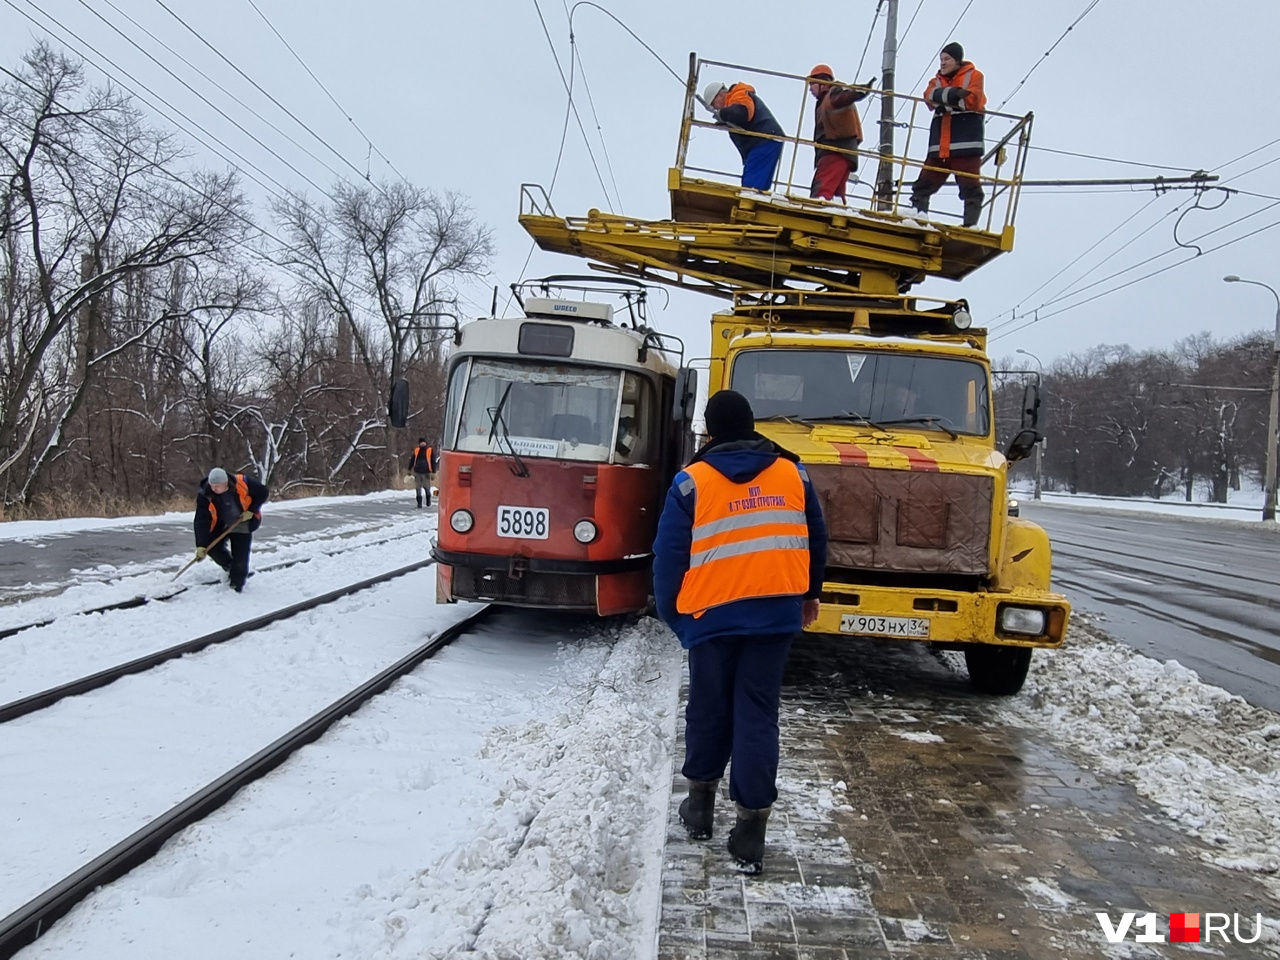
{"points": [[954, 51], [729, 416]]}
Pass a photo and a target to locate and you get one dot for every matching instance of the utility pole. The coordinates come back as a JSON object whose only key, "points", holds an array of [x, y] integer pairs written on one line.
{"points": [[884, 176], [1273, 420]]}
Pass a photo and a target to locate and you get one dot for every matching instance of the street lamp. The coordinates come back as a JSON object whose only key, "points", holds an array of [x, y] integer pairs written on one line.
{"points": [[1039, 446], [1273, 421]]}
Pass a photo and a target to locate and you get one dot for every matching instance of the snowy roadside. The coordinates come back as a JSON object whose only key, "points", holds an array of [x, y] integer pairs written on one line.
{"points": [[1208, 758], [38, 529], [507, 799]]}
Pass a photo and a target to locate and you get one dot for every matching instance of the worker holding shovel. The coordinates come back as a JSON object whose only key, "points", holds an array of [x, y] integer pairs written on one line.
{"points": [[228, 510]]}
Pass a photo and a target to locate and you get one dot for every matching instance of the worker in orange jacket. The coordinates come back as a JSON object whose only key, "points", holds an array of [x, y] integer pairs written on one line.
{"points": [[751, 128], [737, 569], [422, 465], [957, 133], [228, 502], [835, 124]]}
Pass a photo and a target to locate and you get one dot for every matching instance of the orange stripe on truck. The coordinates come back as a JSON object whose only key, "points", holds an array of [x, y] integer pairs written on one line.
{"points": [[917, 460]]}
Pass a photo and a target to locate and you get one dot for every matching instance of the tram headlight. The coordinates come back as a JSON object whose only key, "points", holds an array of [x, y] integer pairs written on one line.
{"points": [[584, 531], [461, 521]]}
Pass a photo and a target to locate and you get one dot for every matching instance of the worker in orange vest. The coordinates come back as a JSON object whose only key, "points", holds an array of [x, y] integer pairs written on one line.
{"points": [[422, 464], [737, 569], [835, 124], [957, 133], [228, 502]]}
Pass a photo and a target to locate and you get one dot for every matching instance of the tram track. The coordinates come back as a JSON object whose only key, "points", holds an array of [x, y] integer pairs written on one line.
{"points": [[24, 925], [142, 600], [268, 547], [48, 697]]}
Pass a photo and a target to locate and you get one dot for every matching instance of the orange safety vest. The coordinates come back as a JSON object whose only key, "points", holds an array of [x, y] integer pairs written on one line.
{"points": [[242, 491], [749, 539], [959, 131]]}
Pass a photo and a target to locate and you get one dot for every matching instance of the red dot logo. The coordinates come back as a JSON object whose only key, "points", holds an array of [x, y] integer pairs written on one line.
{"points": [[1184, 928]]}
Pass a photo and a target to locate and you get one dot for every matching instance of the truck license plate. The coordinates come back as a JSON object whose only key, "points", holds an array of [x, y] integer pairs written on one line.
{"points": [[524, 523], [917, 627]]}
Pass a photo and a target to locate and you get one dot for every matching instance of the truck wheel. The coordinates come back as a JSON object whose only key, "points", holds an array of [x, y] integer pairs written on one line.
{"points": [[999, 671]]}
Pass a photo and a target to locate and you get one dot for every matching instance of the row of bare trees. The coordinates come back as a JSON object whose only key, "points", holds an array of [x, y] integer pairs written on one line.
{"points": [[151, 326], [1156, 423]]}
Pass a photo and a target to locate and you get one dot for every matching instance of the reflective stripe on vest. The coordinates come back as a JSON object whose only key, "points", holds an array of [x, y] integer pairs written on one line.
{"points": [[749, 539]]}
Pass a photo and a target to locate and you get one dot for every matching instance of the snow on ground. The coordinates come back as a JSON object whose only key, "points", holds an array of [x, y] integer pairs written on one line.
{"points": [[1246, 505], [508, 799], [37, 529], [75, 645], [1208, 758]]}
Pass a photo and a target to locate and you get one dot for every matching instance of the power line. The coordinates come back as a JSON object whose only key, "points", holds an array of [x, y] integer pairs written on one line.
{"points": [[331, 97], [1131, 163], [576, 54], [219, 86], [1044, 56], [257, 86], [903, 39], [197, 93], [867, 46]]}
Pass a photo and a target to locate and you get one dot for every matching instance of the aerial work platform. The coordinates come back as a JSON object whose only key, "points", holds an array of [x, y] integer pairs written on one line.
{"points": [[722, 237]]}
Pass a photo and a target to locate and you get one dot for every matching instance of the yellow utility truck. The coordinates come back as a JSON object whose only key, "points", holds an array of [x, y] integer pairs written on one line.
{"points": [[885, 395]]}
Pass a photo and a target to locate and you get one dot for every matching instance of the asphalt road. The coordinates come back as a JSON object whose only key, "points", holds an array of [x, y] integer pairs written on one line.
{"points": [[1204, 593], [56, 558]]}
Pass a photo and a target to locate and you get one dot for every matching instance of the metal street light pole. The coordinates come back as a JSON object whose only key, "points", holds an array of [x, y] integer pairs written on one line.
{"points": [[1039, 446], [1273, 420]]}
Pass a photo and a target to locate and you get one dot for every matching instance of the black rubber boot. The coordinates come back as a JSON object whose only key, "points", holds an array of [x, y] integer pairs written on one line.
{"points": [[972, 210], [920, 205], [746, 839], [697, 810]]}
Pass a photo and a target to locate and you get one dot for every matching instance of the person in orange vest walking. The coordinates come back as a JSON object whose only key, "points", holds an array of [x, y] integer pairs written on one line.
{"points": [[835, 124], [422, 464], [738, 564], [957, 133], [224, 501]]}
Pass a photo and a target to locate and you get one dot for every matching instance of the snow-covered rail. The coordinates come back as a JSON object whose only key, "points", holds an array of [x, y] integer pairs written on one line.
{"points": [[46, 698], [29, 921]]}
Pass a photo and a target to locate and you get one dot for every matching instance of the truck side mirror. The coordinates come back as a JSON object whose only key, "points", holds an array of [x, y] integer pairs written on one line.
{"points": [[686, 395], [398, 403], [1030, 406], [1021, 445]]}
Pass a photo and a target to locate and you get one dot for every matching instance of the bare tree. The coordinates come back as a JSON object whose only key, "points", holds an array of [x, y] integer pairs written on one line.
{"points": [[91, 198], [383, 260]]}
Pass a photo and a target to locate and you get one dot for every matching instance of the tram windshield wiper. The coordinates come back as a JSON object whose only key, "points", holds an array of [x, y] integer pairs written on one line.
{"points": [[517, 466]]}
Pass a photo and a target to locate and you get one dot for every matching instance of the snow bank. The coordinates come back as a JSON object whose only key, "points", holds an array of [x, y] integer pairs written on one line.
{"points": [[1208, 758]]}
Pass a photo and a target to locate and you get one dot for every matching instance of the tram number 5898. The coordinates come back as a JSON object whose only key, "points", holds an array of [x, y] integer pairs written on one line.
{"points": [[524, 523]]}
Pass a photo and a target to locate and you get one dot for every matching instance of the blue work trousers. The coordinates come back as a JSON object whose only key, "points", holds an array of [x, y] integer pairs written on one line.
{"points": [[760, 164], [734, 687]]}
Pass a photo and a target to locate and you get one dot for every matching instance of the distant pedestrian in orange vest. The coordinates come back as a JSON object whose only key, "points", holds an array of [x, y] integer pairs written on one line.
{"points": [[737, 569], [957, 133], [835, 124], [225, 501], [422, 463]]}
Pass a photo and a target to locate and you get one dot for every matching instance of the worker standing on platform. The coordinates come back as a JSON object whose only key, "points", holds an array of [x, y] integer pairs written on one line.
{"points": [[739, 108], [835, 124], [738, 565], [957, 133]]}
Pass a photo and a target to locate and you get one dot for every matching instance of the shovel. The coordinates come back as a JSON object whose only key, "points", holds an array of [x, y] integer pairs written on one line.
{"points": [[217, 540]]}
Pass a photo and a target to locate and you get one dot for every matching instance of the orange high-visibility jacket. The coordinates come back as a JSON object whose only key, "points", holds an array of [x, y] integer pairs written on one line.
{"points": [[958, 131], [748, 540], [242, 491]]}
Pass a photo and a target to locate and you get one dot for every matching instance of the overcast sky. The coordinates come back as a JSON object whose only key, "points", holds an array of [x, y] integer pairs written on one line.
{"points": [[466, 96]]}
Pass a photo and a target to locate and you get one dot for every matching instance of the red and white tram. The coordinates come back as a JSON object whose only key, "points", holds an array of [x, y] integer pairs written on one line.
{"points": [[557, 449]]}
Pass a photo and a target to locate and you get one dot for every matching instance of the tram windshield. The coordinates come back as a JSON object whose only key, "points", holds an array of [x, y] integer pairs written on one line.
{"points": [[876, 389], [533, 409]]}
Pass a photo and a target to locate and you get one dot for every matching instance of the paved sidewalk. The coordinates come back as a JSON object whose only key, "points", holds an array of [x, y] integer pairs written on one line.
{"points": [[913, 822]]}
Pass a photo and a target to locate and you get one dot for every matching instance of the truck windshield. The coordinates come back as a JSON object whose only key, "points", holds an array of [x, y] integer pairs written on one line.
{"points": [[880, 388], [537, 409]]}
